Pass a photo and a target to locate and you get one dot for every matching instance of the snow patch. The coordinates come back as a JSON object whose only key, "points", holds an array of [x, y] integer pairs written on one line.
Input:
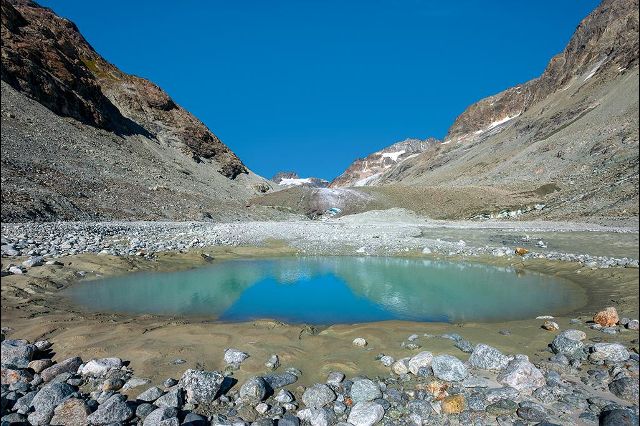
{"points": [[499, 122], [393, 155], [368, 179], [594, 69], [294, 182]]}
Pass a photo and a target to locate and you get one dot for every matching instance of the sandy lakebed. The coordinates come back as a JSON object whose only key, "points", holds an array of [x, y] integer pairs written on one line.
{"points": [[32, 306]]}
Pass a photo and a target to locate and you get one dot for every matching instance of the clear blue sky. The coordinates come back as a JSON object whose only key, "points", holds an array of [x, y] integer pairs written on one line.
{"points": [[311, 85]]}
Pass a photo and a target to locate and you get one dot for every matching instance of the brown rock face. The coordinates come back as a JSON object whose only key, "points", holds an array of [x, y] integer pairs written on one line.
{"points": [[46, 57], [72, 412], [605, 41], [607, 318]]}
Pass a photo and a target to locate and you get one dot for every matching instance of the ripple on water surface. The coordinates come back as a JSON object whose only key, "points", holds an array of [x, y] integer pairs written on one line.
{"points": [[331, 290]]}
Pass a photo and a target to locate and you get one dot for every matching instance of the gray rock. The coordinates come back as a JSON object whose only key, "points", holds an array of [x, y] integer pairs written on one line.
{"points": [[135, 382], [100, 367], [284, 396], [150, 394], [365, 390], [234, 356], [72, 412], [14, 419], [23, 404], [449, 368], [625, 388], [157, 416], [201, 386], [69, 365], [521, 375], [273, 362], [276, 381], [618, 417], [193, 419], [531, 412], [365, 413], [33, 261], [418, 361], [335, 378], [48, 398], [171, 399], [633, 324], [564, 345], [254, 390], [114, 410], [614, 352], [317, 416], [318, 395], [289, 420], [486, 357], [16, 353], [464, 345], [144, 409]]}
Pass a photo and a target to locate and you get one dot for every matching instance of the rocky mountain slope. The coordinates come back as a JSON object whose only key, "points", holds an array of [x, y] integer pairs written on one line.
{"points": [[81, 139], [568, 138], [366, 171]]}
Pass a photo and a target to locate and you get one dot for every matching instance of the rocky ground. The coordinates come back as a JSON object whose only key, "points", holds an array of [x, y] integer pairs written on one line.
{"points": [[372, 233], [581, 382]]}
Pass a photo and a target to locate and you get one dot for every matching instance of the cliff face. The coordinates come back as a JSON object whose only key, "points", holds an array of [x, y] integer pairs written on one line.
{"points": [[83, 140], [46, 57], [604, 42], [569, 137]]}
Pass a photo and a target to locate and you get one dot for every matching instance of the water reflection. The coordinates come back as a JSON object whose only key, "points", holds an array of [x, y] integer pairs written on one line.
{"points": [[336, 290]]}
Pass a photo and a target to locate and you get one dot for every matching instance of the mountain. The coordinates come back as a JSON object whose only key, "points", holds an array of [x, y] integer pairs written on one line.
{"points": [[367, 171], [567, 139], [289, 179], [82, 139]]}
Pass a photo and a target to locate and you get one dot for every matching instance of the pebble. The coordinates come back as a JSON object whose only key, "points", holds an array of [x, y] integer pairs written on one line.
{"points": [[360, 342]]}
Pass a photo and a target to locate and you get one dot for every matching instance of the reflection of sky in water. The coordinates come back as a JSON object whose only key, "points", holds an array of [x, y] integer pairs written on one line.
{"points": [[336, 290]]}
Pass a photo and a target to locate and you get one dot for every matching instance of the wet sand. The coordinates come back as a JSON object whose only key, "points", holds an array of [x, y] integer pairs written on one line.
{"points": [[32, 307]]}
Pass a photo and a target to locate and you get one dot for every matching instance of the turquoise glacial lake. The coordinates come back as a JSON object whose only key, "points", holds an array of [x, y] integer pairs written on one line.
{"points": [[331, 290]]}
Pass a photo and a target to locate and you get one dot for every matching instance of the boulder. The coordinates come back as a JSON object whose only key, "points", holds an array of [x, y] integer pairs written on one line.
{"points": [[69, 365], [365, 413], [614, 352], [201, 386], [364, 390], [449, 368], [486, 357], [521, 375], [423, 359], [607, 317], [318, 395]]}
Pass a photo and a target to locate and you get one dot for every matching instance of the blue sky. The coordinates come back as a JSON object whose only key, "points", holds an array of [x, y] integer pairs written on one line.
{"points": [[311, 85]]}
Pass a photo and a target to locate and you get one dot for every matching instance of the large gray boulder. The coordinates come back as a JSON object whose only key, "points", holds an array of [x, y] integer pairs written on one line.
{"points": [[522, 375], [365, 390], [486, 357], [201, 386], [318, 395], [365, 413], [449, 368]]}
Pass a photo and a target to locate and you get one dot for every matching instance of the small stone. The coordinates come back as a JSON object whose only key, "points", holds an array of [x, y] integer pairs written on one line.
{"points": [[276, 381], [284, 396], [551, 326], [318, 396], [171, 399], [401, 366], [33, 261], [453, 404], [365, 414], [289, 420], [618, 417], [335, 378], [159, 415], [387, 360], [531, 412], [521, 375], [365, 390], [423, 359], [449, 368], [40, 364], [112, 384], [273, 362], [607, 318], [360, 342], [113, 410], [144, 409], [150, 394], [253, 390], [262, 408], [633, 325], [234, 356], [100, 367]]}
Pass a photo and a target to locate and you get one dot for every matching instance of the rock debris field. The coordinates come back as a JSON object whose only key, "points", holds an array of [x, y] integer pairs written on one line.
{"points": [[582, 382]]}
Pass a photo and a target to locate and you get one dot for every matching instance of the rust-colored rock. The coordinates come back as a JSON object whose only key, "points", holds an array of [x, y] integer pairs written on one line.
{"points": [[607, 318], [72, 412], [9, 376], [521, 251], [40, 364], [453, 404]]}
